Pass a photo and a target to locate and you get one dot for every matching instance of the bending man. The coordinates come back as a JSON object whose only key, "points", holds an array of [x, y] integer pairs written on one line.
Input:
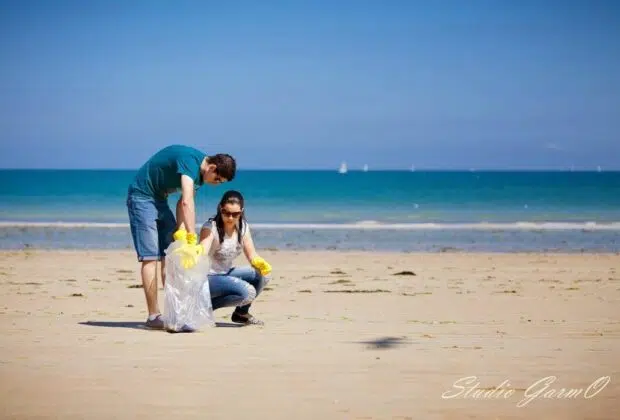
{"points": [[151, 220]]}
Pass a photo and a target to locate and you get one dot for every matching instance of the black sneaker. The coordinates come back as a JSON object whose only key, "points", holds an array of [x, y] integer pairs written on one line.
{"points": [[246, 319]]}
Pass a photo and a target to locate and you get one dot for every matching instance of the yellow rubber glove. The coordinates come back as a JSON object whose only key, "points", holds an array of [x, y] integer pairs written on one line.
{"points": [[190, 251], [180, 235], [189, 254], [192, 238], [261, 265]]}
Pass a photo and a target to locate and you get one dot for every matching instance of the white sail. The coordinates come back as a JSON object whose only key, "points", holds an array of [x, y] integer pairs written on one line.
{"points": [[343, 168]]}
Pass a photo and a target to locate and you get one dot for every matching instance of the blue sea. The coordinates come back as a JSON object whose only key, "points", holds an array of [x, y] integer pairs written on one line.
{"points": [[494, 211]]}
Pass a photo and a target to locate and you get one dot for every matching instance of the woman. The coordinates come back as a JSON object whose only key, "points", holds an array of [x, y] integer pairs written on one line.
{"points": [[223, 238]]}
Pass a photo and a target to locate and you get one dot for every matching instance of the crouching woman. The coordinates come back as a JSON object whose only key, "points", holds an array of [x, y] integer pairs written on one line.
{"points": [[224, 237]]}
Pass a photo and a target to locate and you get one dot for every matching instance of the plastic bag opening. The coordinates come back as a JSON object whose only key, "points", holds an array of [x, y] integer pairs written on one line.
{"points": [[187, 301]]}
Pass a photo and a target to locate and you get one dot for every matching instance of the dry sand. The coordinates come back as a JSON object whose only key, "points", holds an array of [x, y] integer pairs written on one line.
{"points": [[345, 338]]}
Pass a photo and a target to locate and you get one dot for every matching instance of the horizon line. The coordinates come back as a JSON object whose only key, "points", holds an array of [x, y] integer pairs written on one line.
{"points": [[417, 169]]}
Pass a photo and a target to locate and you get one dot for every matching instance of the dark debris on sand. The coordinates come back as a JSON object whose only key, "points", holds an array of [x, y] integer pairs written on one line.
{"points": [[405, 273], [385, 342], [358, 291]]}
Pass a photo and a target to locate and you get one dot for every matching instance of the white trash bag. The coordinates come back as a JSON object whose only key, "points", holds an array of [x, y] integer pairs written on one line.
{"points": [[187, 304]]}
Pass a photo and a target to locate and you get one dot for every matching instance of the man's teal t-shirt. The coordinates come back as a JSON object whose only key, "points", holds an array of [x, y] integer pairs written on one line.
{"points": [[161, 174]]}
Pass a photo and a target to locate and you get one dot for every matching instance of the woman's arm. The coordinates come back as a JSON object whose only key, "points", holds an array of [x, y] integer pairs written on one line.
{"points": [[248, 246], [206, 239], [250, 253]]}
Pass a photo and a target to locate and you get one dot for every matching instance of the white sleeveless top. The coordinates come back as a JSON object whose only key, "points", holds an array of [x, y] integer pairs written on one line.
{"points": [[222, 255]]}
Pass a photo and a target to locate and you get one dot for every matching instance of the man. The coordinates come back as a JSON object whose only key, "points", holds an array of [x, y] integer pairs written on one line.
{"points": [[151, 220]]}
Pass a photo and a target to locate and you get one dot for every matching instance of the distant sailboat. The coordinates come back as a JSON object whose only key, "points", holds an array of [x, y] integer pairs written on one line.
{"points": [[412, 168], [599, 169], [343, 168], [365, 168]]}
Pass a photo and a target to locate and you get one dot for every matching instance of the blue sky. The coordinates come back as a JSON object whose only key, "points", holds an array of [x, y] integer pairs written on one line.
{"points": [[307, 84]]}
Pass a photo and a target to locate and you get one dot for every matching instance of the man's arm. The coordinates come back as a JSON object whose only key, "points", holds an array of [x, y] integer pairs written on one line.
{"points": [[188, 209]]}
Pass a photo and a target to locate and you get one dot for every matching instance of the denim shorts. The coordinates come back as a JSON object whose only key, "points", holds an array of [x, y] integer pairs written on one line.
{"points": [[152, 225]]}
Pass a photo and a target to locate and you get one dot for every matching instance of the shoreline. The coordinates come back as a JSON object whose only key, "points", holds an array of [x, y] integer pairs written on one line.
{"points": [[321, 252], [362, 225], [372, 238]]}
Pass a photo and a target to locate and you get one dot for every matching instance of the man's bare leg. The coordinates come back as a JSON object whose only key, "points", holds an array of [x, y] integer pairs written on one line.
{"points": [[163, 272], [149, 283]]}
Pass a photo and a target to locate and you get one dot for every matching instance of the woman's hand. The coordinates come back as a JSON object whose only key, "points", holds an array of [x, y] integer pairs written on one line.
{"points": [[261, 265]]}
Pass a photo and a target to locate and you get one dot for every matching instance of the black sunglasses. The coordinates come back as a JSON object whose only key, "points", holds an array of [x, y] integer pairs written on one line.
{"points": [[231, 213]]}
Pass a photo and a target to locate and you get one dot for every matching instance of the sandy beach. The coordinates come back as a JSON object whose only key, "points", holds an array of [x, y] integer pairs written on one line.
{"points": [[348, 335]]}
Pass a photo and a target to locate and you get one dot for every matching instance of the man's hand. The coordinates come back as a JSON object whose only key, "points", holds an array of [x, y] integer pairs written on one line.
{"points": [[180, 235], [189, 251], [189, 254], [261, 265]]}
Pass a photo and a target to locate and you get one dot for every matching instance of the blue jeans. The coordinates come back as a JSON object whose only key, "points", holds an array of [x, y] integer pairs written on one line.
{"points": [[239, 287], [152, 225]]}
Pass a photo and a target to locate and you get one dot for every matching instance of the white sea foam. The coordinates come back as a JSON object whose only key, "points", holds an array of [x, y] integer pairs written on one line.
{"points": [[61, 225], [362, 225], [446, 226]]}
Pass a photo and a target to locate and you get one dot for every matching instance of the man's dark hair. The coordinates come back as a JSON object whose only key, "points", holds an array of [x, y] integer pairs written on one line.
{"points": [[225, 164]]}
